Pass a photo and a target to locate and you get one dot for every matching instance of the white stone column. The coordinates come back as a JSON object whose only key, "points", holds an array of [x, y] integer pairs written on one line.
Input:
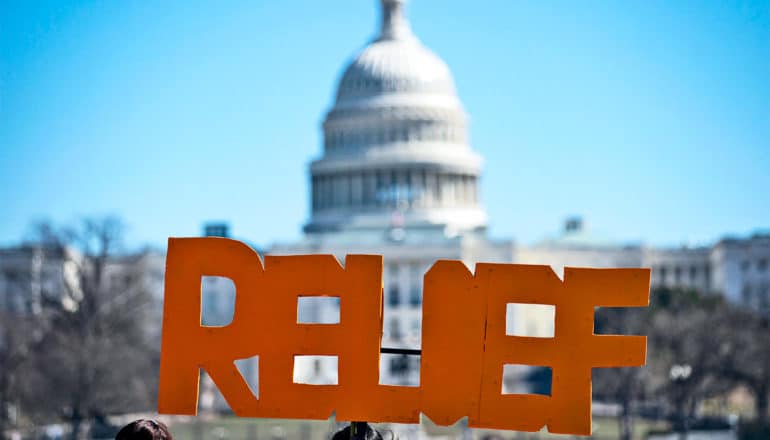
{"points": [[313, 193], [322, 192], [400, 186], [379, 185], [430, 185], [335, 190], [357, 189], [415, 183], [441, 190], [449, 195], [468, 183], [370, 188], [425, 188], [460, 185], [475, 190], [346, 190]]}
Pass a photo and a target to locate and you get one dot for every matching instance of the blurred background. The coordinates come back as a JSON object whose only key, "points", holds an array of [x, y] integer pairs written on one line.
{"points": [[597, 134]]}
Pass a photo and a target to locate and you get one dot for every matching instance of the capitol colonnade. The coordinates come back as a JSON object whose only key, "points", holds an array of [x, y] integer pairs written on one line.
{"points": [[393, 188]]}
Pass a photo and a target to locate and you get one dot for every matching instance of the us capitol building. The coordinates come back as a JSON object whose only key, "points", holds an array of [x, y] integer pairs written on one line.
{"points": [[398, 177]]}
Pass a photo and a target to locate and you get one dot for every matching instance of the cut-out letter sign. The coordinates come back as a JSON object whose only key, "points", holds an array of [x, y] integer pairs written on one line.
{"points": [[464, 340]]}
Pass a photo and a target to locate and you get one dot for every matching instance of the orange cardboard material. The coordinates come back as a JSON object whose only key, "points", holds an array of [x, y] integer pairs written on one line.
{"points": [[464, 342]]}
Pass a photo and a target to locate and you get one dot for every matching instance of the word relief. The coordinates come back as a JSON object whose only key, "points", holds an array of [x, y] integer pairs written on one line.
{"points": [[464, 341]]}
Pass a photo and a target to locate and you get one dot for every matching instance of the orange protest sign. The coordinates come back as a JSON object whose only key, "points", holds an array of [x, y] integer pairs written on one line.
{"points": [[464, 343]]}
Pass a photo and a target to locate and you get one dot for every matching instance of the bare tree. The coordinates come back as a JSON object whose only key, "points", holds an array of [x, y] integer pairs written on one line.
{"points": [[747, 355], [21, 327], [95, 357], [687, 353], [624, 386], [685, 357], [19, 338]]}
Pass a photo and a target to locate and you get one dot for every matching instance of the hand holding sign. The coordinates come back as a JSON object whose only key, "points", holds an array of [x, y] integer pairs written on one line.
{"points": [[464, 340]]}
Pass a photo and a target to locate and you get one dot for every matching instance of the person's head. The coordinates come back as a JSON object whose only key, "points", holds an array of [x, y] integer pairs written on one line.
{"points": [[144, 429], [344, 434]]}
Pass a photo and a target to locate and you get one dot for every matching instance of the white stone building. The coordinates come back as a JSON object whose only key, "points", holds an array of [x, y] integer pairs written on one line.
{"points": [[398, 177], [26, 274], [32, 274]]}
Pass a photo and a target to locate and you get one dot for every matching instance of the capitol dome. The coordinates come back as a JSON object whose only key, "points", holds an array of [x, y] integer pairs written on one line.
{"points": [[395, 65], [395, 141], [395, 68]]}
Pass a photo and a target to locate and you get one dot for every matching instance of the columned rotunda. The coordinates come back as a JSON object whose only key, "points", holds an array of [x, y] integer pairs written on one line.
{"points": [[396, 177], [395, 142]]}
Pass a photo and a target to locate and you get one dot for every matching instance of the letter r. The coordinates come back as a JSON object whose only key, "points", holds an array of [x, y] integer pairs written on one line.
{"points": [[188, 346]]}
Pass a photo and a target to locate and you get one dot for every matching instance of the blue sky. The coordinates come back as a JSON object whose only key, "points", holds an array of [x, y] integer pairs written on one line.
{"points": [[649, 118]]}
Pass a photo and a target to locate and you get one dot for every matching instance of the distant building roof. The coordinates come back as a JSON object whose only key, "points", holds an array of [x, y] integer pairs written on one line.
{"points": [[576, 233]]}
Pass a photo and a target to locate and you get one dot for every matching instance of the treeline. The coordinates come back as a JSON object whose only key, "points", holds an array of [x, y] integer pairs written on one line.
{"points": [[700, 349], [80, 345], [85, 342]]}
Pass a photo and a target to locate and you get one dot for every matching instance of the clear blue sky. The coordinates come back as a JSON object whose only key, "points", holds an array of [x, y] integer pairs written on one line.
{"points": [[650, 118]]}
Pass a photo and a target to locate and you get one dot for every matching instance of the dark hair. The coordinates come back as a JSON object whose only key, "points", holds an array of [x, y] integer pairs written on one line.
{"points": [[345, 434], [144, 429]]}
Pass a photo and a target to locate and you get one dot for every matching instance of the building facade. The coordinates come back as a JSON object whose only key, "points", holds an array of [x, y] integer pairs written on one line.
{"points": [[397, 177]]}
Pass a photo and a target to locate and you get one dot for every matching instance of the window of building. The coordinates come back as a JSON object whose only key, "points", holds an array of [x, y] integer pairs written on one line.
{"points": [[415, 280], [415, 296], [399, 365], [746, 294], [416, 327], [762, 265], [393, 271], [394, 296], [677, 275], [693, 273], [395, 329]]}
